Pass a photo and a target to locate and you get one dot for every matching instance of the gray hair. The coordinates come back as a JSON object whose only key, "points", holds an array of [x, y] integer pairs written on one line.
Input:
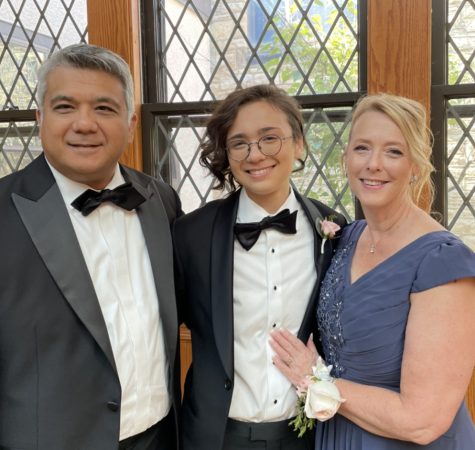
{"points": [[91, 57]]}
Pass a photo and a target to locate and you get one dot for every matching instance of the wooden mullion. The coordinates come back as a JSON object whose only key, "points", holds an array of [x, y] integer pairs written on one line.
{"points": [[115, 24]]}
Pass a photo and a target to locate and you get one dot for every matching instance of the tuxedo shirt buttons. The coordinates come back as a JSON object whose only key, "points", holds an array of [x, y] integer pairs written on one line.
{"points": [[227, 385], [113, 406]]}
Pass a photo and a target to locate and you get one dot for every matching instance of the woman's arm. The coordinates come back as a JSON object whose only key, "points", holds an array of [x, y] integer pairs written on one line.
{"points": [[438, 361]]}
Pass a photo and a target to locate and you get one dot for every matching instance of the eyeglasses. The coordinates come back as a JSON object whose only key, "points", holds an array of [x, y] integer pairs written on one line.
{"points": [[268, 145]]}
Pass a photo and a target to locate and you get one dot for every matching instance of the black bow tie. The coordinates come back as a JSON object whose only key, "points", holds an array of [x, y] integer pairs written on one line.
{"points": [[125, 196], [248, 233]]}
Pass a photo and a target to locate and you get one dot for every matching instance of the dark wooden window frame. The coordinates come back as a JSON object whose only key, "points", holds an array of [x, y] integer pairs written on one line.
{"points": [[154, 86], [441, 93]]}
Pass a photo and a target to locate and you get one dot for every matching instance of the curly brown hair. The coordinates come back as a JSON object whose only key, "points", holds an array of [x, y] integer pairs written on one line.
{"points": [[213, 150]]}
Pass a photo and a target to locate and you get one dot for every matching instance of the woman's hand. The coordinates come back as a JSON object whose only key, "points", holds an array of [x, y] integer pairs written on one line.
{"points": [[292, 357]]}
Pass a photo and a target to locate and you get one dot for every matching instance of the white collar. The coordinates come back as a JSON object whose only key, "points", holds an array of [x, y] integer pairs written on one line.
{"points": [[250, 211], [71, 189]]}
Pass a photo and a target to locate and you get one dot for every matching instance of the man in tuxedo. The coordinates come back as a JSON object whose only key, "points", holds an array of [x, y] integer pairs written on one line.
{"points": [[88, 320], [246, 265]]}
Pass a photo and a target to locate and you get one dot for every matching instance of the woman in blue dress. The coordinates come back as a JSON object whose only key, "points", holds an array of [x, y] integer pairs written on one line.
{"points": [[397, 307]]}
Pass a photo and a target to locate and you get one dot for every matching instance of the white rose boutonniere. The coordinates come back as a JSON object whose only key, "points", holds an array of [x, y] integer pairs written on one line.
{"points": [[328, 230], [319, 399]]}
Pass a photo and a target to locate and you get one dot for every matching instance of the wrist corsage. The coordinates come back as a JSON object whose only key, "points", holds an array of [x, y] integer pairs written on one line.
{"points": [[319, 398], [328, 230]]}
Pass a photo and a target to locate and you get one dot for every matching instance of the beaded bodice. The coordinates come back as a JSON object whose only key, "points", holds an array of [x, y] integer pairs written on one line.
{"points": [[330, 308]]}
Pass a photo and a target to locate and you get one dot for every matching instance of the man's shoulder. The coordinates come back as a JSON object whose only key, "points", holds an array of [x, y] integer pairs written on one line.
{"points": [[161, 190], [8, 185], [147, 181], [8, 181], [13, 182], [142, 178]]}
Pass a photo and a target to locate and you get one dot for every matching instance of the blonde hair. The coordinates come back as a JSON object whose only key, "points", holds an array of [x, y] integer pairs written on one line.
{"points": [[410, 117]]}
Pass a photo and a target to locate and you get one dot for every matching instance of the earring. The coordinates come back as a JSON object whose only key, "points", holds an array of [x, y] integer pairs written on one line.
{"points": [[413, 179]]}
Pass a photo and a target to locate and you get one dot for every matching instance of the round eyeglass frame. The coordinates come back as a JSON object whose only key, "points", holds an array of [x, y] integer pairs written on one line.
{"points": [[258, 142]]}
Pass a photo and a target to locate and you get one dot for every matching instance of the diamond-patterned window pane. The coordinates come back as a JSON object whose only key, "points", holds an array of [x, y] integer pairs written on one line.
{"points": [[19, 145], [29, 31], [460, 119], [461, 38], [461, 169], [308, 47], [179, 140], [322, 178]]}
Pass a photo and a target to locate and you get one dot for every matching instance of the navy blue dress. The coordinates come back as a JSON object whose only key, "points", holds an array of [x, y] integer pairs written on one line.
{"points": [[362, 327]]}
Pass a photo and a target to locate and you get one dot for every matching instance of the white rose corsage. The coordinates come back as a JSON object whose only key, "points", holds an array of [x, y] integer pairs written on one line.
{"points": [[319, 399]]}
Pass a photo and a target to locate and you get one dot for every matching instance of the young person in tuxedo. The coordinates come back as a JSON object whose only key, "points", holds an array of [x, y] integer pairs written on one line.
{"points": [[88, 319], [246, 265]]}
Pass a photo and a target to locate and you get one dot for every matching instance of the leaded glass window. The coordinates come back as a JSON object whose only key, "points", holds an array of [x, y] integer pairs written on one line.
{"points": [[453, 108], [206, 49], [29, 31]]}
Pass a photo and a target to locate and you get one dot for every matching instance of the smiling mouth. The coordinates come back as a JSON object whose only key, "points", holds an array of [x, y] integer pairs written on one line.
{"points": [[373, 182], [259, 172], [83, 145]]}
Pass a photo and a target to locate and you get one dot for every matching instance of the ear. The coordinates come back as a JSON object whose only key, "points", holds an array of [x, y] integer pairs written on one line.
{"points": [[38, 117], [132, 127], [415, 170], [299, 148], [344, 162]]}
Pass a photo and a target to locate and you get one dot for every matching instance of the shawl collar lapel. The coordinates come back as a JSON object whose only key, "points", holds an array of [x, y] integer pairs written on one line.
{"points": [[157, 234], [47, 221], [222, 255]]}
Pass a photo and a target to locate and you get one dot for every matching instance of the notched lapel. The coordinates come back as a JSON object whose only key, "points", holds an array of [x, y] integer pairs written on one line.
{"points": [[48, 223], [222, 256]]}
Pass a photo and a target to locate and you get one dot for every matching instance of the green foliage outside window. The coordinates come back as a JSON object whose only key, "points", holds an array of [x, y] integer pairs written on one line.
{"points": [[330, 60]]}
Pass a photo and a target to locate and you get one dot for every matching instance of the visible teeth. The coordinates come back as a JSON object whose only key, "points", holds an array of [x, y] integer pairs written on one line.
{"points": [[258, 171], [373, 182]]}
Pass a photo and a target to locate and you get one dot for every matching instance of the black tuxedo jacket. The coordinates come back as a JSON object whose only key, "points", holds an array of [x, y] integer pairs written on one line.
{"points": [[204, 247], [59, 389]]}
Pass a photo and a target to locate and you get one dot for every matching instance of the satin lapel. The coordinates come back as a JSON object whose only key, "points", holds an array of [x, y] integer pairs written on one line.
{"points": [[156, 231], [48, 224], [222, 256], [314, 216]]}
